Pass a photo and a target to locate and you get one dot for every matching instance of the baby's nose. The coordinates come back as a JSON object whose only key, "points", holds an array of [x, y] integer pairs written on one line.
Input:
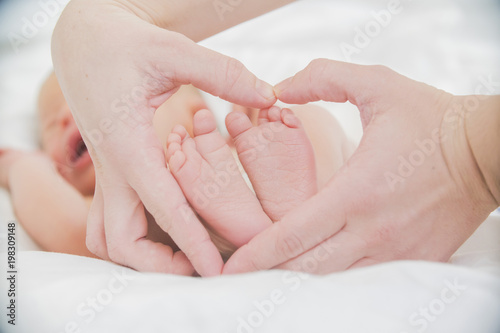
{"points": [[65, 119]]}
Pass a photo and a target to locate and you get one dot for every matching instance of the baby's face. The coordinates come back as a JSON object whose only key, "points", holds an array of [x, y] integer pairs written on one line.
{"points": [[61, 139]]}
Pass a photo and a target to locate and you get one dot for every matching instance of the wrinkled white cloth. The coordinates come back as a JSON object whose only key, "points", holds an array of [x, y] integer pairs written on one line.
{"points": [[63, 293]]}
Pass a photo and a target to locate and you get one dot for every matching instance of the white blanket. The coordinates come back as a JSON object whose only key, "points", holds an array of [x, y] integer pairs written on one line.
{"points": [[62, 293], [450, 44]]}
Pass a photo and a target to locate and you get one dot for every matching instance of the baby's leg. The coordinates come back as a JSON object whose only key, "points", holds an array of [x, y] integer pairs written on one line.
{"points": [[206, 171], [280, 158]]}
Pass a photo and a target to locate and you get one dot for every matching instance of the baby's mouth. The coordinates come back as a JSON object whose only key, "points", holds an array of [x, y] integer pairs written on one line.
{"points": [[77, 150], [81, 149]]}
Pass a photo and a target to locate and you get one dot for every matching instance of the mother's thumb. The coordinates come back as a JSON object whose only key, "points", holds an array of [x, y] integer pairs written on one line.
{"points": [[331, 81]]}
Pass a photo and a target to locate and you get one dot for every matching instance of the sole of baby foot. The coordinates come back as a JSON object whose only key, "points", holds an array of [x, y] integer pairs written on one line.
{"points": [[207, 173], [278, 158]]}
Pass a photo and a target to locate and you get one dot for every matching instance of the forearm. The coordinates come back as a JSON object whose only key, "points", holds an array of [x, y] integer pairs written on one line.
{"points": [[483, 133], [197, 19], [51, 211], [201, 19]]}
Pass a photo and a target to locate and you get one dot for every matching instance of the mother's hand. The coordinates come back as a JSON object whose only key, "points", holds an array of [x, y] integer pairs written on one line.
{"points": [[115, 70], [414, 189]]}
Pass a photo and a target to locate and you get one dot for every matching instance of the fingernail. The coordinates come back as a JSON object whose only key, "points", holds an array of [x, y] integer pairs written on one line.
{"points": [[282, 86], [265, 90]]}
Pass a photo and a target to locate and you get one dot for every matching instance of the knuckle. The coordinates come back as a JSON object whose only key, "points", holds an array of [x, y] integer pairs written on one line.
{"points": [[380, 70], [256, 266], [318, 74], [233, 72], [115, 252], [255, 262], [94, 243], [289, 245], [385, 233], [317, 67], [93, 246], [320, 62]]}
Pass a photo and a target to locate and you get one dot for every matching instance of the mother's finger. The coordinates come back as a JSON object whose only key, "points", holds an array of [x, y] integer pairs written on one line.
{"points": [[163, 198], [337, 253], [212, 72], [335, 81], [126, 231], [300, 231]]}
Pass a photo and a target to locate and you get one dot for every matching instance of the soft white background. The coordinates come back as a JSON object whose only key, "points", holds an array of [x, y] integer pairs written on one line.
{"points": [[448, 44]]}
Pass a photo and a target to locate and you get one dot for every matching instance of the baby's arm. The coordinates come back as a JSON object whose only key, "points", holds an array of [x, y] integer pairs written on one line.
{"points": [[51, 210]]}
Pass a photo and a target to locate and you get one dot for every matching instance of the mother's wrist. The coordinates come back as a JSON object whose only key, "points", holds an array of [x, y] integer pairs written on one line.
{"points": [[482, 126], [466, 149]]}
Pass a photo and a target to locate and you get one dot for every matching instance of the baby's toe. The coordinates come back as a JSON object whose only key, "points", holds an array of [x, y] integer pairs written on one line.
{"points": [[172, 147], [263, 117], [180, 131], [274, 114], [237, 123], [204, 122], [173, 144], [177, 161], [189, 147], [173, 138], [289, 119]]}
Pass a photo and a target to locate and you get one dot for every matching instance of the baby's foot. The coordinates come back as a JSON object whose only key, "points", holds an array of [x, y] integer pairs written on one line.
{"points": [[278, 157], [208, 175]]}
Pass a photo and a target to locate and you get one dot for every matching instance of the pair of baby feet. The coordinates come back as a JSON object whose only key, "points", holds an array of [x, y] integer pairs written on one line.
{"points": [[276, 154]]}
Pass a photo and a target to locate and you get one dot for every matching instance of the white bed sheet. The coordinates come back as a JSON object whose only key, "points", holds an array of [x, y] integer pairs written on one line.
{"points": [[450, 44], [59, 292]]}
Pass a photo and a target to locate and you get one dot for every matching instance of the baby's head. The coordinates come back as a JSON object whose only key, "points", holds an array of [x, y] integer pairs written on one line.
{"points": [[61, 139]]}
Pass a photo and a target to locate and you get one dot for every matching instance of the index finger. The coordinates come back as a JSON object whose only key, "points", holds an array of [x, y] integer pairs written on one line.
{"points": [[213, 72], [163, 198], [126, 230]]}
